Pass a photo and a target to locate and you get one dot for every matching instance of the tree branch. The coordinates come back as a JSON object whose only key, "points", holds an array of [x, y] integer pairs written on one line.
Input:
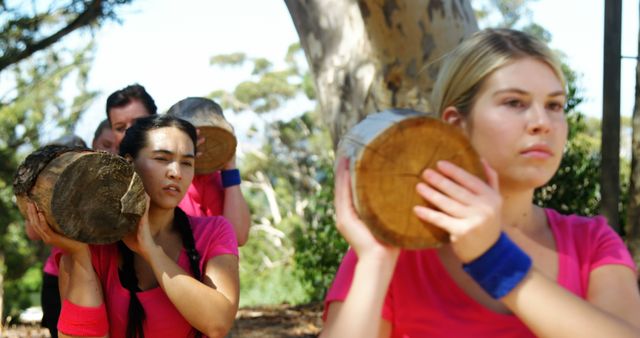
{"points": [[93, 11]]}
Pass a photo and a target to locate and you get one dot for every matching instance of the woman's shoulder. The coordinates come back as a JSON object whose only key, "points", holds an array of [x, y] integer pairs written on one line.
{"points": [[213, 232], [206, 224], [576, 223]]}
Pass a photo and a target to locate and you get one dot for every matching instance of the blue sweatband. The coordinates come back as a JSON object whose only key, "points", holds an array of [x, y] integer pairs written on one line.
{"points": [[230, 177], [501, 268]]}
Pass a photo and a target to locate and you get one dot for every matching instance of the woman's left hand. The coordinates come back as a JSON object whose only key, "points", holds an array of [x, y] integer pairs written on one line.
{"points": [[39, 224], [464, 205], [199, 143]]}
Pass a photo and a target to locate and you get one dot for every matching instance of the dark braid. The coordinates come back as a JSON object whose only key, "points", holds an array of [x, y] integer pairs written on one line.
{"points": [[129, 280], [181, 223]]}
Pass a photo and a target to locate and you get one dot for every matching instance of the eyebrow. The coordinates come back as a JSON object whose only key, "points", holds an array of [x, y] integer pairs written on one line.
{"points": [[167, 152], [522, 92]]}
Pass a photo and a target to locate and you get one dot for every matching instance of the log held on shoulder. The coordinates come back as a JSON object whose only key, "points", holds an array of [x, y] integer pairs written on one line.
{"points": [[93, 197], [388, 152]]}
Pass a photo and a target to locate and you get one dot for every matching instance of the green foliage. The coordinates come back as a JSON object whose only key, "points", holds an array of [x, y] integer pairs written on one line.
{"points": [[24, 291], [233, 59], [294, 248], [34, 108], [29, 27], [319, 245]]}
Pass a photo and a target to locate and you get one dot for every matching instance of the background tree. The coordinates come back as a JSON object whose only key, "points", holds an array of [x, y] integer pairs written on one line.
{"points": [[287, 180], [633, 215], [38, 102], [28, 28], [370, 55]]}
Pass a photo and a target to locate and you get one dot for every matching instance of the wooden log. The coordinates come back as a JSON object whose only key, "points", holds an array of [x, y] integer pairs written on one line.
{"points": [[388, 152], [93, 197], [220, 142]]}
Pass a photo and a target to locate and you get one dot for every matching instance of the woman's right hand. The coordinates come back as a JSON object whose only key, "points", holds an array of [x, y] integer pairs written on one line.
{"points": [[39, 224], [350, 225]]}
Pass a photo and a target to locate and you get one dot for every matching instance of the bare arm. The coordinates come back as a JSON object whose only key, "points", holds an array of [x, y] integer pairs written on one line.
{"points": [[469, 210], [360, 313], [78, 280], [235, 209], [209, 306], [79, 283], [550, 311]]}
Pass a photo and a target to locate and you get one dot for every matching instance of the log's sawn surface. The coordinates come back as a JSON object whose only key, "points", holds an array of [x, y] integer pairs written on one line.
{"points": [[220, 141], [388, 152], [93, 197]]}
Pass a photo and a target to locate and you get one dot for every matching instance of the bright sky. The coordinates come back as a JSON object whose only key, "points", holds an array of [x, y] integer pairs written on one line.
{"points": [[166, 46]]}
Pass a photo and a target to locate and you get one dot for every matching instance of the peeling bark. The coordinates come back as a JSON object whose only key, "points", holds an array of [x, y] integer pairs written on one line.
{"points": [[370, 55]]}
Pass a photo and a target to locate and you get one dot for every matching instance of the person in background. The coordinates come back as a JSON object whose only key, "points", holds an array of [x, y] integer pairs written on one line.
{"points": [[511, 268], [104, 139], [207, 196], [175, 276], [127, 104]]}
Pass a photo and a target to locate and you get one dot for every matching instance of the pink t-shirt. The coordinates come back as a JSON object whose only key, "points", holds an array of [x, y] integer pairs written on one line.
{"points": [[423, 300], [214, 236], [205, 196], [51, 265]]}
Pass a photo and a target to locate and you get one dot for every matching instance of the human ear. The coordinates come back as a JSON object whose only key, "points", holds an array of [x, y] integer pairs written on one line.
{"points": [[128, 158], [453, 116]]}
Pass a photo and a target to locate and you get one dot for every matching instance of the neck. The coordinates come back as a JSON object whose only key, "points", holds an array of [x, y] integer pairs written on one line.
{"points": [[160, 220], [519, 212]]}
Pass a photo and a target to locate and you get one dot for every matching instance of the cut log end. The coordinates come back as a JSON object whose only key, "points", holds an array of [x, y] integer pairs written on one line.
{"points": [[219, 147], [387, 167]]}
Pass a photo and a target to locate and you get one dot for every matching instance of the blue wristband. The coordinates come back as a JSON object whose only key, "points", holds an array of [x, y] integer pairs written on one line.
{"points": [[230, 177], [501, 268]]}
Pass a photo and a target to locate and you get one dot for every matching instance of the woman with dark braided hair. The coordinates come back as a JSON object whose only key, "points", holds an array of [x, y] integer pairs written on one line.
{"points": [[177, 276]]}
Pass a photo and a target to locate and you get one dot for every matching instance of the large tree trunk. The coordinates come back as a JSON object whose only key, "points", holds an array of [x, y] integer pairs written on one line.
{"points": [[368, 55], [632, 229]]}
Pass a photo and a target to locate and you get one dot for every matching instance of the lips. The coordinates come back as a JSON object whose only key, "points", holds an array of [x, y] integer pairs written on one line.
{"points": [[172, 188], [537, 151]]}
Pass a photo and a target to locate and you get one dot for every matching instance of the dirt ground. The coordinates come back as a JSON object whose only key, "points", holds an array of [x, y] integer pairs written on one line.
{"points": [[278, 321]]}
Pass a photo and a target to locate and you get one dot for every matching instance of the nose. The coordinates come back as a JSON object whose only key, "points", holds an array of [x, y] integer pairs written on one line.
{"points": [[173, 171], [539, 121]]}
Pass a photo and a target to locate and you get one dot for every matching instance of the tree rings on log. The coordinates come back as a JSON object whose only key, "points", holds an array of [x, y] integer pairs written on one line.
{"points": [[220, 142], [388, 152], [92, 197]]}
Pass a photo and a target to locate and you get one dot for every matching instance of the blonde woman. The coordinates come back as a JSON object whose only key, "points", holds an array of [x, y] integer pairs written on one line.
{"points": [[512, 269]]}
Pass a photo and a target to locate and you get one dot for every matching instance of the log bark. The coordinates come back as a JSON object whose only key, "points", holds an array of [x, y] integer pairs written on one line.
{"points": [[370, 55], [388, 153], [93, 197]]}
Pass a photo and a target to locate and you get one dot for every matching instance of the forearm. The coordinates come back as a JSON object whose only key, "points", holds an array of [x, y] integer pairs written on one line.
{"points": [[361, 312], [236, 211], [551, 311], [83, 311], [205, 308], [78, 281]]}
